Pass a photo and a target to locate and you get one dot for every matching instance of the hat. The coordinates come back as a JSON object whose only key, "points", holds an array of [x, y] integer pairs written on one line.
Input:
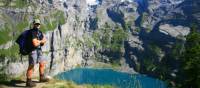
{"points": [[36, 21]]}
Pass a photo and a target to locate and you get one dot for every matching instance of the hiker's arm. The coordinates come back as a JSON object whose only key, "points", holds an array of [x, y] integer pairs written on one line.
{"points": [[36, 42], [43, 41]]}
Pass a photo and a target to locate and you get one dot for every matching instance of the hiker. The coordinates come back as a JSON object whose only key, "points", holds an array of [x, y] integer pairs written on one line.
{"points": [[37, 40]]}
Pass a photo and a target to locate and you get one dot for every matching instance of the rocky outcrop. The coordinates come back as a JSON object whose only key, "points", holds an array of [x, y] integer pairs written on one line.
{"points": [[174, 31]]}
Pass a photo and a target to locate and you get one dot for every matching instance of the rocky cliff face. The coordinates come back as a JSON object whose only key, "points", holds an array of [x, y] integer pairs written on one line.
{"points": [[138, 34]]}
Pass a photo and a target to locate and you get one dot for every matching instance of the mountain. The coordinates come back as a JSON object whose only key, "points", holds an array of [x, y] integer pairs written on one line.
{"points": [[137, 36]]}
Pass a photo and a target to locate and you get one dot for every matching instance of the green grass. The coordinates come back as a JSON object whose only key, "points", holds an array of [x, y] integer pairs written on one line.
{"points": [[5, 34], [79, 43], [137, 29], [12, 52], [69, 84], [56, 18], [59, 17], [129, 22], [106, 37], [149, 64], [14, 3], [20, 3], [10, 31], [48, 26], [20, 27], [148, 28], [3, 77], [96, 38], [144, 17], [88, 41], [155, 49], [115, 64], [5, 29], [118, 37]]}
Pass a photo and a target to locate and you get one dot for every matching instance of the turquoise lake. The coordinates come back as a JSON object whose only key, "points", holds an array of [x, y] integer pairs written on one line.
{"points": [[110, 77]]}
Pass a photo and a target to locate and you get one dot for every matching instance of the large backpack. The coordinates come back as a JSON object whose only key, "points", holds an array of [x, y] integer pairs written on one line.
{"points": [[23, 42]]}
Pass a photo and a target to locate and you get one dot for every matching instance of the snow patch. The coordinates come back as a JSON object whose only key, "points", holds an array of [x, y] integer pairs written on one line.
{"points": [[92, 2], [63, 0], [127, 0]]}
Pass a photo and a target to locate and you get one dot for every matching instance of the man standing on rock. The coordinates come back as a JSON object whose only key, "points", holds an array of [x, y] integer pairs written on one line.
{"points": [[37, 40]]}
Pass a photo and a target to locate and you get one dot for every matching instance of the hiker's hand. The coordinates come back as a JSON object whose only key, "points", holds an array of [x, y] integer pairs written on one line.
{"points": [[43, 41]]}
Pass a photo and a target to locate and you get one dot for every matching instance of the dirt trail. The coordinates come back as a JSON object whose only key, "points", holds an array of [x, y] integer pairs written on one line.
{"points": [[21, 83], [51, 84]]}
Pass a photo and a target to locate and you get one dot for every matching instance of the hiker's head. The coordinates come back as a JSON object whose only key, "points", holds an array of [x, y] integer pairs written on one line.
{"points": [[36, 23]]}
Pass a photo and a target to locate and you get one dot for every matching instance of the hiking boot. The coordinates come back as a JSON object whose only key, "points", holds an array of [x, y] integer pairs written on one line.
{"points": [[30, 83], [44, 79]]}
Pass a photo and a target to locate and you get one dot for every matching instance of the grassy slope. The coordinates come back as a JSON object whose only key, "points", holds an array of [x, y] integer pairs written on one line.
{"points": [[67, 84]]}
